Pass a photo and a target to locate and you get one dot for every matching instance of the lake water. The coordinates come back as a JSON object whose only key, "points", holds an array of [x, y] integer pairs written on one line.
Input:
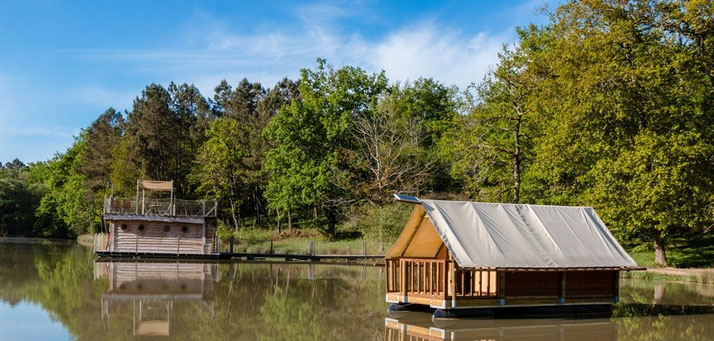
{"points": [[58, 292]]}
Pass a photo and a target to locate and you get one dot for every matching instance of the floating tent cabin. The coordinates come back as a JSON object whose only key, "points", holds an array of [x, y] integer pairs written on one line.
{"points": [[457, 254], [157, 226]]}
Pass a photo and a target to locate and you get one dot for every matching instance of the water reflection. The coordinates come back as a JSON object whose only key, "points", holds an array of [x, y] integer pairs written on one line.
{"points": [[292, 301], [152, 292], [420, 327], [630, 321]]}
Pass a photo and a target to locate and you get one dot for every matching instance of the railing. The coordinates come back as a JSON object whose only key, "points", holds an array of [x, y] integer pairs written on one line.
{"points": [[417, 277], [161, 207], [475, 283], [431, 278]]}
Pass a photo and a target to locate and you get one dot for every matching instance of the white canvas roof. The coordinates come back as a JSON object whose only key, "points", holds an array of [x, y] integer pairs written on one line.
{"points": [[524, 236]]}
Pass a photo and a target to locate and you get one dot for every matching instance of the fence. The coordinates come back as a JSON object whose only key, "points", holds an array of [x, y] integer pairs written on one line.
{"points": [[301, 246], [161, 207]]}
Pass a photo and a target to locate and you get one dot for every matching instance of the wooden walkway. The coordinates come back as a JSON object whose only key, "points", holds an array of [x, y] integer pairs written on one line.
{"points": [[288, 257], [240, 256]]}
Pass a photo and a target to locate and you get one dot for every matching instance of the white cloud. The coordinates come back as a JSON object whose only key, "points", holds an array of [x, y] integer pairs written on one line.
{"points": [[424, 50], [449, 57]]}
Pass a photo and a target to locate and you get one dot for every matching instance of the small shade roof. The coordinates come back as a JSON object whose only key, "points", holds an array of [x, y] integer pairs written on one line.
{"points": [[524, 236], [154, 185]]}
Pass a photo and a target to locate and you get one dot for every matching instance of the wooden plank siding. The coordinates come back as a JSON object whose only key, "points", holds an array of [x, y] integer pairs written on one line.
{"points": [[153, 239]]}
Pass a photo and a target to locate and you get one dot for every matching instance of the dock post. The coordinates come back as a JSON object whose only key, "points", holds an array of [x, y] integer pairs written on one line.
{"points": [[364, 248], [231, 245], [311, 248], [271, 247]]}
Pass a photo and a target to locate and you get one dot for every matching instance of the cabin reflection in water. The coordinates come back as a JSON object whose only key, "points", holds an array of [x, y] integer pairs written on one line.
{"points": [[418, 329], [151, 292]]}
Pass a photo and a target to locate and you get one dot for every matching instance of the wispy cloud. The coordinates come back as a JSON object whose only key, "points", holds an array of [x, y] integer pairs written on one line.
{"points": [[58, 131], [423, 50]]}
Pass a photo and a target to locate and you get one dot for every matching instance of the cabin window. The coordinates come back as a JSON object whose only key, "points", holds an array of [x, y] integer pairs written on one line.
{"points": [[141, 227], [167, 228], [124, 227], [184, 229]]}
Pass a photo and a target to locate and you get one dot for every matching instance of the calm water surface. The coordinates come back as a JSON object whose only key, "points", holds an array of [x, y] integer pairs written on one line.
{"points": [[50, 292]]}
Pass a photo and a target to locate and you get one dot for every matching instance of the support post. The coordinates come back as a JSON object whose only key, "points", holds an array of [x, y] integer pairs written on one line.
{"points": [[232, 240], [403, 279], [453, 281], [136, 202], [364, 248], [561, 299], [203, 237], [172, 207], [143, 200]]}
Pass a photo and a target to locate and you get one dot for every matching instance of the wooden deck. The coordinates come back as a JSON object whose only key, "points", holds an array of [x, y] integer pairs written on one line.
{"points": [[236, 256]]}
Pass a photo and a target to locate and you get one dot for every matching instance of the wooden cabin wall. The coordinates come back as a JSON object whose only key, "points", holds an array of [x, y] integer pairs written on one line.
{"points": [[153, 239], [532, 283], [591, 283], [549, 283]]}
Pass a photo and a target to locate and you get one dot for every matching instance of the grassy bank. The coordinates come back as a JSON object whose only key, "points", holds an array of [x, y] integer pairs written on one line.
{"points": [[695, 251], [86, 239], [298, 242], [672, 274]]}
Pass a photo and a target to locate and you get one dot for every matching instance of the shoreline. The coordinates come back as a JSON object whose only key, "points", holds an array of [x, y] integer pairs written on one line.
{"points": [[35, 240], [696, 275]]}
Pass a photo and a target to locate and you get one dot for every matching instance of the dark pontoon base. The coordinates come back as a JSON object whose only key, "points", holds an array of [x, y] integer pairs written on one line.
{"points": [[575, 310]]}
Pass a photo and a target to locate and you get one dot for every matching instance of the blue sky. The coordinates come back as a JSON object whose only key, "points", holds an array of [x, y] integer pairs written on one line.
{"points": [[28, 321], [62, 63]]}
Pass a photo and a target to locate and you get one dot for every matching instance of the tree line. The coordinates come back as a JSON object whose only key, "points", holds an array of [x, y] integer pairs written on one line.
{"points": [[609, 104]]}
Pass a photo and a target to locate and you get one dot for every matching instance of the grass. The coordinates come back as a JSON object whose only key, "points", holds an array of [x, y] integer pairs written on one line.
{"points": [[693, 251], [698, 277], [86, 239], [298, 241]]}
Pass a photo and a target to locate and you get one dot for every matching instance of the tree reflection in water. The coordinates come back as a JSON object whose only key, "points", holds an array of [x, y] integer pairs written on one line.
{"points": [[296, 301]]}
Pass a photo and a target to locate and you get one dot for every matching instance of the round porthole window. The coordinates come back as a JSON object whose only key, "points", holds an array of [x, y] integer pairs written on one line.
{"points": [[124, 227], [167, 228], [184, 229], [141, 227]]}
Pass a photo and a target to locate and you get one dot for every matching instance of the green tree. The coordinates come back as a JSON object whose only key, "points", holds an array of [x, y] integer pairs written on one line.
{"points": [[490, 149], [19, 198], [627, 111], [64, 210], [313, 158], [220, 170]]}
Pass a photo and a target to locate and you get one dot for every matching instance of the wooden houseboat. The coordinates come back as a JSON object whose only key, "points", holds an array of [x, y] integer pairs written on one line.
{"points": [[151, 226], [455, 255]]}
